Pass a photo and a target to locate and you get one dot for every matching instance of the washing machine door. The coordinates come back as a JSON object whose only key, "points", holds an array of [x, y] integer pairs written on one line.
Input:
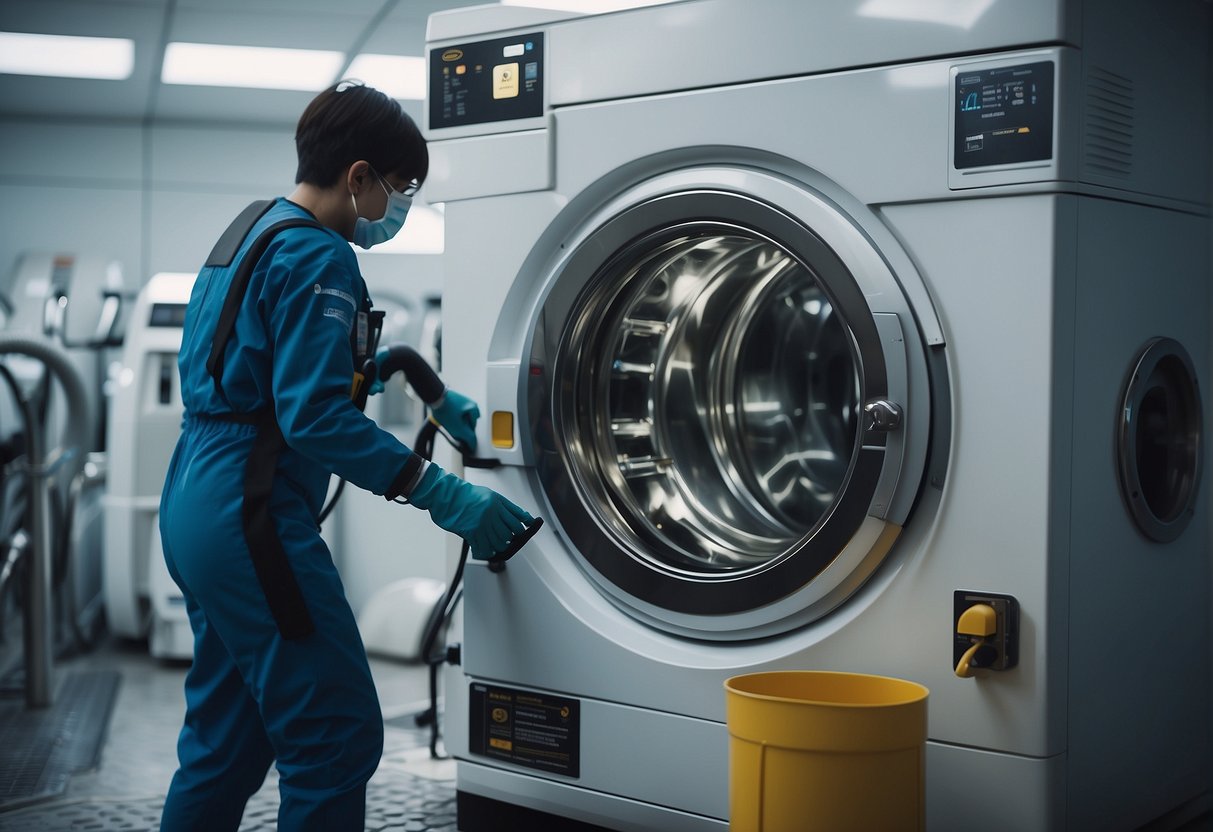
{"points": [[720, 409]]}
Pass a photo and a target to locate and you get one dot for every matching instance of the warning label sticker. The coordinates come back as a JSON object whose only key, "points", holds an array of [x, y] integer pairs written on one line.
{"points": [[536, 730]]}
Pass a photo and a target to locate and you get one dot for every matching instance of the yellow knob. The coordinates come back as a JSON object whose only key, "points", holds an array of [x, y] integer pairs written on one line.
{"points": [[978, 620]]}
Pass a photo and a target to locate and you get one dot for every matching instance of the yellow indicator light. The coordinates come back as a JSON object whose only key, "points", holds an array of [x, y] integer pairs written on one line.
{"points": [[1025, 129], [503, 429]]}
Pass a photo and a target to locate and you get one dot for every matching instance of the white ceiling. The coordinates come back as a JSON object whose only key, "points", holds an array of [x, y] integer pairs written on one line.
{"points": [[391, 27]]}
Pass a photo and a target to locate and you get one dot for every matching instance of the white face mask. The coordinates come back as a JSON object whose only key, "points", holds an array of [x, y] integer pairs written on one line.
{"points": [[369, 233]]}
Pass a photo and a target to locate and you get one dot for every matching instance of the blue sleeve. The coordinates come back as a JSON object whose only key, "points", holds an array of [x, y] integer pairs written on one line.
{"points": [[313, 368]]}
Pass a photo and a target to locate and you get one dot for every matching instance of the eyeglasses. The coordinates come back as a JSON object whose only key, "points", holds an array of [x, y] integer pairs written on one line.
{"points": [[408, 190]]}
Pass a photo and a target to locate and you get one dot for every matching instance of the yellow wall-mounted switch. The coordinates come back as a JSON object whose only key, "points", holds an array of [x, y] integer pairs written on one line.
{"points": [[985, 632], [978, 620]]}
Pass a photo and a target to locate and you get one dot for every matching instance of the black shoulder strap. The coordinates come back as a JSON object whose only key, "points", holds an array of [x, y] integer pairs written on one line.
{"points": [[239, 284], [225, 250]]}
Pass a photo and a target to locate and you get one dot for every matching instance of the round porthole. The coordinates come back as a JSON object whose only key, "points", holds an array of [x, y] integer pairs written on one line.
{"points": [[1159, 440]]}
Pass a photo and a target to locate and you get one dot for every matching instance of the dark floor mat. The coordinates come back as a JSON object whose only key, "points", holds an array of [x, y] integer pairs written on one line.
{"points": [[41, 748]]}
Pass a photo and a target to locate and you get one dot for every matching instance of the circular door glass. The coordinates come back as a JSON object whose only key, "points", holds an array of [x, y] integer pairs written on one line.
{"points": [[1160, 440], [711, 404]]}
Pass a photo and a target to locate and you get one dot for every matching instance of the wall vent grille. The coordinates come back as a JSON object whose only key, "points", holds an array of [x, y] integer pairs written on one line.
{"points": [[1110, 116]]}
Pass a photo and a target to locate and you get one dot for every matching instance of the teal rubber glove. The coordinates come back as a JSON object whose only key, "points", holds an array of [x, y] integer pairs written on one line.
{"points": [[481, 516], [376, 384], [458, 414]]}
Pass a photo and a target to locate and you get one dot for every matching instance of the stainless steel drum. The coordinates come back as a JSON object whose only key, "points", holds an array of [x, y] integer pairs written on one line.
{"points": [[716, 410], [710, 408]]}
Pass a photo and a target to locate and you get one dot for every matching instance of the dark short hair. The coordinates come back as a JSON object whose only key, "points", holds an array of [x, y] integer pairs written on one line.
{"points": [[351, 121]]}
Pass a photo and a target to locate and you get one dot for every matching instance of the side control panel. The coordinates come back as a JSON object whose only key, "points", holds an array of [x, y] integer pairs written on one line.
{"points": [[981, 640]]}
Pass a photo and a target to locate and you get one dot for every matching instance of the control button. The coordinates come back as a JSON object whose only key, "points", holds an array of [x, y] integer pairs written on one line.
{"points": [[505, 81]]}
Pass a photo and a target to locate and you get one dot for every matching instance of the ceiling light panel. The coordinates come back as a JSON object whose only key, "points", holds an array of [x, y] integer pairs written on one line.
{"points": [[263, 67], [586, 6], [288, 7], [66, 56], [251, 26]]}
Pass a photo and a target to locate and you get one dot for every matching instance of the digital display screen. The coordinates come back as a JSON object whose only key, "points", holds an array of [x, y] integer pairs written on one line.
{"points": [[492, 80], [1004, 116], [167, 314]]}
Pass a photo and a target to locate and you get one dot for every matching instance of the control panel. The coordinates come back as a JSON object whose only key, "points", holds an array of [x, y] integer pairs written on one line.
{"points": [[486, 81], [1003, 115]]}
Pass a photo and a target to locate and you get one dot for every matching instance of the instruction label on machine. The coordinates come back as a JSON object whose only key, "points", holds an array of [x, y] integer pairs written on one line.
{"points": [[536, 730]]}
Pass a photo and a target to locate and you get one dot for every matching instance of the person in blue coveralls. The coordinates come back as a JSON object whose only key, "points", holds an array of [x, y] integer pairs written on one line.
{"points": [[269, 363]]}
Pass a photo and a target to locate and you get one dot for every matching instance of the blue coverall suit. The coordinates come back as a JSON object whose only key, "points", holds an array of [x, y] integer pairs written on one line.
{"points": [[253, 696]]}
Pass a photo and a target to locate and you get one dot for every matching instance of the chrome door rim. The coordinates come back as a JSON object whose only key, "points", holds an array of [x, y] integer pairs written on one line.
{"points": [[599, 532]]}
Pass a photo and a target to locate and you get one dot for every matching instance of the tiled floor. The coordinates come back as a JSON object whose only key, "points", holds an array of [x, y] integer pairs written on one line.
{"points": [[409, 792]]}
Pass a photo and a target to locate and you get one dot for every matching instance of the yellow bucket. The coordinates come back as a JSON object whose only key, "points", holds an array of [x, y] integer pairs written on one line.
{"points": [[814, 750]]}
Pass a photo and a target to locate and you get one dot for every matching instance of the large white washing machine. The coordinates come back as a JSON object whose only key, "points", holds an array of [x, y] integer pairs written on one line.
{"points": [[807, 326], [141, 599]]}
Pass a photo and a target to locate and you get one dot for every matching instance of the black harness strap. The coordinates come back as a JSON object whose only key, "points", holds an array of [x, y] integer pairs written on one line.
{"points": [[270, 561], [239, 286], [225, 250]]}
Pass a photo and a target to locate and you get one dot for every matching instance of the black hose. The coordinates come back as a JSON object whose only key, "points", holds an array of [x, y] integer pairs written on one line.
{"points": [[332, 503], [420, 375], [423, 379], [424, 445], [446, 606], [426, 383]]}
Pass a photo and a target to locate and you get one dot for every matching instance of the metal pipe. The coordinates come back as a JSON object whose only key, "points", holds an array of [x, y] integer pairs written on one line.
{"points": [[94, 473], [39, 630], [39, 622]]}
